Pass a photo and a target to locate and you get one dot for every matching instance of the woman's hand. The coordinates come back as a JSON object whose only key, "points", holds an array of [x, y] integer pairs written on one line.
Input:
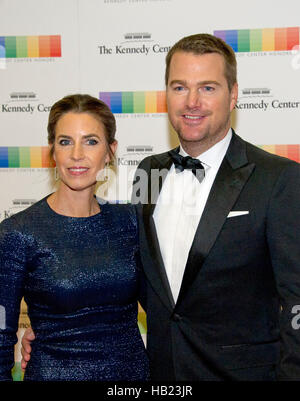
{"points": [[26, 347]]}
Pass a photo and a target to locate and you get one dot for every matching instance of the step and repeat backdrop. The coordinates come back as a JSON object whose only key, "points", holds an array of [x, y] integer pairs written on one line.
{"points": [[115, 50]]}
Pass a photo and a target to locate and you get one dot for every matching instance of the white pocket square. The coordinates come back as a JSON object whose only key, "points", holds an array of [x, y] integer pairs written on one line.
{"points": [[237, 213]]}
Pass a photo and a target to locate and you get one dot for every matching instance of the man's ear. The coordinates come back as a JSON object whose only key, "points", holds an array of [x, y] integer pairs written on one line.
{"points": [[234, 96]]}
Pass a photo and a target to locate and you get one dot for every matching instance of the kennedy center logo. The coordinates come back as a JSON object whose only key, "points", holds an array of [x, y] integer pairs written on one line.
{"points": [[42, 48], [25, 157], [30, 46], [138, 43], [261, 40], [142, 102]]}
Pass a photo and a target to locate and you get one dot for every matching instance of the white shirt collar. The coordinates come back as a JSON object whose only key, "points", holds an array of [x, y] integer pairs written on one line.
{"points": [[213, 156]]}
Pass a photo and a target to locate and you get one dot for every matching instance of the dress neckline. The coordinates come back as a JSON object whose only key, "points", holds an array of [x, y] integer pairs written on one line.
{"points": [[54, 213]]}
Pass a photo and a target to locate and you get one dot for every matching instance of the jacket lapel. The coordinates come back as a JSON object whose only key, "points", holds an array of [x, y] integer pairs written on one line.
{"points": [[160, 165], [230, 180]]}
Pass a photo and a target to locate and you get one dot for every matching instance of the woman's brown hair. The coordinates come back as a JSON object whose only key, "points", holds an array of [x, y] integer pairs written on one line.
{"points": [[79, 103]]}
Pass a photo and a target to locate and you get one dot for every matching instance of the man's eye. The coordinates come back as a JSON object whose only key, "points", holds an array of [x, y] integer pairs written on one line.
{"points": [[208, 88], [178, 88]]}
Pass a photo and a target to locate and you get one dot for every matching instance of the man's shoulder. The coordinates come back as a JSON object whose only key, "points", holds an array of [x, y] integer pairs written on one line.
{"points": [[265, 158], [255, 154], [158, 157]]}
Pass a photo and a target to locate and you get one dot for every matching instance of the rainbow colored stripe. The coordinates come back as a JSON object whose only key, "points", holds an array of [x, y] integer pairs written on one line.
{"points": [[135, 102], [38, 156], [30, 46], [25, 157], [289, 151], [261, 40]]}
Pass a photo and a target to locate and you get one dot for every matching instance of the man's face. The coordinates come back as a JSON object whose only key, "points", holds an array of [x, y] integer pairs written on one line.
{"points": [[199, 101]]}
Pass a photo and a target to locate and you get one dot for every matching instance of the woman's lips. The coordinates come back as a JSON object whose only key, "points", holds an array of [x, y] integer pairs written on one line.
{"points": [[77, 170]]}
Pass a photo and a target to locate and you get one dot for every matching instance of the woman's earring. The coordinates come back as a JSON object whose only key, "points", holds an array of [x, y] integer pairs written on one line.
{"points": [[106, 172], [56, 175], [103, 174]]}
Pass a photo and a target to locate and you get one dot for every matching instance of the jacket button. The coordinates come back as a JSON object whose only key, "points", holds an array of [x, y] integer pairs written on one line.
{"points": [[176, 317]]}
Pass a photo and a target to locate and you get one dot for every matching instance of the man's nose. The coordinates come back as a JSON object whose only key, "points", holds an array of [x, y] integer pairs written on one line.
{"points": [[193, 98]]}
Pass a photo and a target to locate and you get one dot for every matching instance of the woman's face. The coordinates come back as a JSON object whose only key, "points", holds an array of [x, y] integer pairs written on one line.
{"points": [[80, 150]]}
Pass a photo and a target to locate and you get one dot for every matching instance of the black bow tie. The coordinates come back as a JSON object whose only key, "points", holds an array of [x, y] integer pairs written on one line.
{"points": [[187, 163]]}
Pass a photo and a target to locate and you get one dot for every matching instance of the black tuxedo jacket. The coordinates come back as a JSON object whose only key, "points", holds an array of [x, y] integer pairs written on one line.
{"points": [[236, 316]]}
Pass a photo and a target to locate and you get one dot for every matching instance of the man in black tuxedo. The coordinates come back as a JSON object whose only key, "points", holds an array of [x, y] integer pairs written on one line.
{"points": [[220, 238], [219, 231]]}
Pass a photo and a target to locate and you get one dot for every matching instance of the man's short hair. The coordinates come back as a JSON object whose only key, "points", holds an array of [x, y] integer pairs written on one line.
{"points": [[203, 43]]}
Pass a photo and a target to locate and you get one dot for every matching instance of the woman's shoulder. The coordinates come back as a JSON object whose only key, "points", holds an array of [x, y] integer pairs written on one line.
{"points": [[117, 205], [120, 210], [26, 217]]}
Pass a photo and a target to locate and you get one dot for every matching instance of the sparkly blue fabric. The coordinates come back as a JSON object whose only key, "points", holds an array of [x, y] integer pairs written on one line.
{"points": [[80, 280]]}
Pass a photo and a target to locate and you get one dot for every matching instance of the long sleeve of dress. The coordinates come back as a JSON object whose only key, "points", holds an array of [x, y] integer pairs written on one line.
{"points": [[80, 282], [12, 272]]}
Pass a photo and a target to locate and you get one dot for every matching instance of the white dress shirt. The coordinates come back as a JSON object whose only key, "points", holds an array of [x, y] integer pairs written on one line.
{"points": [[179, 208]]}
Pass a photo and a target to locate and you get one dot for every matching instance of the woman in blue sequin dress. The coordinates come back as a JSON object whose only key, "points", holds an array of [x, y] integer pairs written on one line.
{"points": [[75, 262]]}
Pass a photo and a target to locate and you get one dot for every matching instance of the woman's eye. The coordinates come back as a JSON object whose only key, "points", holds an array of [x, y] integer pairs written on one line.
{"points": [[92, 142], [64, 142]]}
